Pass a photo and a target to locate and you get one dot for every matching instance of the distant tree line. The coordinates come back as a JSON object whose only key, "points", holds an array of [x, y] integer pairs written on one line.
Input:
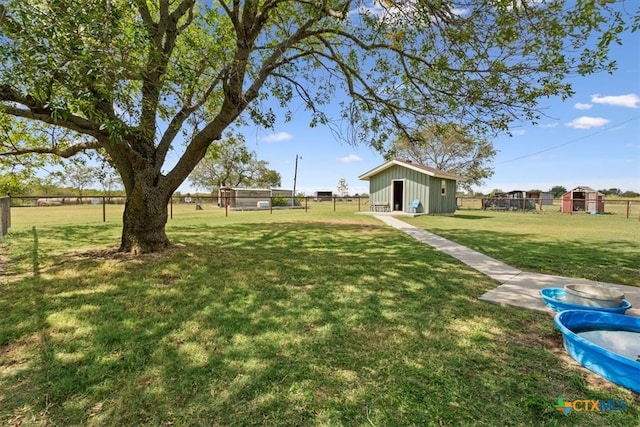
{"points": [[618, 192], [72, 178]]}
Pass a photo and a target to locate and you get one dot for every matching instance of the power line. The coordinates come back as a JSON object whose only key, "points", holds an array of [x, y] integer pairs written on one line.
{"points": [[570, 142]]}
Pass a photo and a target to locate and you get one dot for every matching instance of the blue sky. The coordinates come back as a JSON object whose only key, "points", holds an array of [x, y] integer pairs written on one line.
{"points": [[591, 139]]}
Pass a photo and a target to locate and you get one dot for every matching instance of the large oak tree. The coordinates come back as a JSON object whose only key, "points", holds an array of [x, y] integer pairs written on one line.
{"points": [[140, 79]]}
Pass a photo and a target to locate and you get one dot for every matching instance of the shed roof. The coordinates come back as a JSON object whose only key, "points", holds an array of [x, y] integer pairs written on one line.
{"points": [[584, 189], [437, 173]]}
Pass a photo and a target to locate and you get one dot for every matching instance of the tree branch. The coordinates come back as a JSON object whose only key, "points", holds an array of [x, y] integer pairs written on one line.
{"points": [[46, 115], [65, 153], [164, 33]]}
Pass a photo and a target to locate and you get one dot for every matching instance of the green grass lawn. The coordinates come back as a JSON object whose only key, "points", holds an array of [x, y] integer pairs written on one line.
{"points": [[289, 318], [596, 247]]}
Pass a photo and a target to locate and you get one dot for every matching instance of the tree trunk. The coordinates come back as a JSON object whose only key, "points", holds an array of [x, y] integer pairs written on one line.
{"points": [[144, 220]]}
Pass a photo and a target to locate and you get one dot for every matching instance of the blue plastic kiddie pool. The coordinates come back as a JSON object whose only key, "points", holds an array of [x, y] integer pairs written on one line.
{"points": [[605, 343]]}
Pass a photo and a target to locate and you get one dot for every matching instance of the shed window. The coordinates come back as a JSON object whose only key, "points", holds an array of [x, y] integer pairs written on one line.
{"points": [[443, 187]]}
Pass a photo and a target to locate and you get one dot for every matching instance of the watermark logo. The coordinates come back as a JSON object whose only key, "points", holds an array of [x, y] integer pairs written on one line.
{"points": [[566, 406]]}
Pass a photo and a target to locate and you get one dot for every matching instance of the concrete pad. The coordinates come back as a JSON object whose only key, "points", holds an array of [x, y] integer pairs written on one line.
{"points": [[524, 291], [517, 288]]}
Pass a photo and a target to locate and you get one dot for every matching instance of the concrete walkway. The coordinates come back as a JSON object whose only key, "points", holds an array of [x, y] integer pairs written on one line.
{"points": [[517, 288]]}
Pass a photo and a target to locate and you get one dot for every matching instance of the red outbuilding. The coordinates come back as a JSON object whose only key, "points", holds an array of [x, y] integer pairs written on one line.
{"points": [[583, 199]]}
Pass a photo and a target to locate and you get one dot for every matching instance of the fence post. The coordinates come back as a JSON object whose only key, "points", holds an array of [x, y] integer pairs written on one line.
{"points": [[104, 209], [334, 203], [5, 214], [306, 204]]}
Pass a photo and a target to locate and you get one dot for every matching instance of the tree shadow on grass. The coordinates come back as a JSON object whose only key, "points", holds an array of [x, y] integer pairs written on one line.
{"points": [[280, 324], [470, 216]]}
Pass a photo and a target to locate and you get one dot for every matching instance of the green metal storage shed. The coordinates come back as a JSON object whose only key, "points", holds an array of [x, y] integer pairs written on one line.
{"points": [[402, 186]]}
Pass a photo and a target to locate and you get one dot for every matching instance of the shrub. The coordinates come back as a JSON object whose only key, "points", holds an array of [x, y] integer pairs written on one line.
{"points": [[279, 201]]}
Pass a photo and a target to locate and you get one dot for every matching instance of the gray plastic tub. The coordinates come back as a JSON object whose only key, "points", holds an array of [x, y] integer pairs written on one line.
{"points": [[593, 296]]}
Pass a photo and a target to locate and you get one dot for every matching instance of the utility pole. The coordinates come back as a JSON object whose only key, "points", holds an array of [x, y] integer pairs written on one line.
{"points": [[295, 177]]}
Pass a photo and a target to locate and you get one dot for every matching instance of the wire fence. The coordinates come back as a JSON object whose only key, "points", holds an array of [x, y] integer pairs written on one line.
{"points": [[109, 208], [627, 207], [262, 203]]}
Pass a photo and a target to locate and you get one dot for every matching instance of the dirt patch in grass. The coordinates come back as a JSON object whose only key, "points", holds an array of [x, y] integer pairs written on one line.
{"points": [[112, 253], [17, 354]]}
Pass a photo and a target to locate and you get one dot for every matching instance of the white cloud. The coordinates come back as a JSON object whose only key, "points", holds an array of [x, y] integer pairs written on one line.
{"points": [[364, 10], [460, 11], [400, 11], [630, 100], [277, 137], [518, 132], [582, 106], [350, 159], [549, 125], [586, 122]]}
